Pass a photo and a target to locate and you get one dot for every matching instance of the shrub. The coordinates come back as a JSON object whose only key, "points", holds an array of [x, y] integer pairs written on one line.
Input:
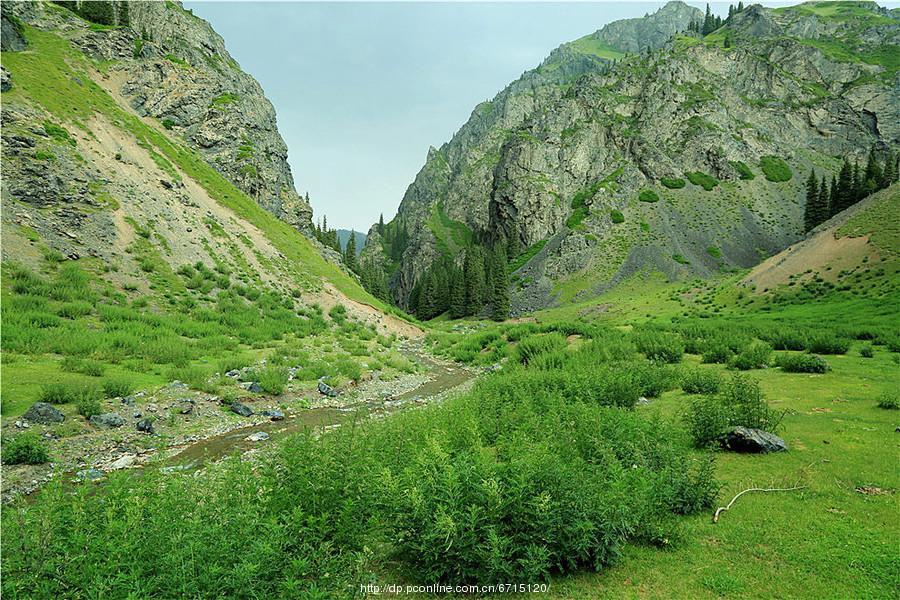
{"points": [[338, 313], [742, 170], [754, 356], [673, 183], [705, 181], [535, 345], [659, 346], [84, 366], [648, 196], [707, 421], [25, 449], [55, 393], [739, 402], [786, 339], [828, 343], [775, 169], [867, 351], [272, 379], [168, 123], [617, 216], [87, 400], [801, 363], [117, 387], [889, 401], [700, 381]]}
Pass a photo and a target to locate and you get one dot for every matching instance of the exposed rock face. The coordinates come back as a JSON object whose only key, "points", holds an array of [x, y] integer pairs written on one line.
{"points": [[578, 132], [174, 67]]}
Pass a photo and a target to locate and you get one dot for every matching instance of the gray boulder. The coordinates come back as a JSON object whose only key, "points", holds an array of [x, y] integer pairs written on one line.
{"points": [[275, 415], [252, 386], [145, 425], [745, 439], [241, 409], [259, 436], [107, 420], [326, 389], [5, 80], [41, 412]]}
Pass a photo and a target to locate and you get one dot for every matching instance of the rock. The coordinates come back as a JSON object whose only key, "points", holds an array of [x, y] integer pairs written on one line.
{"points": [[241, 409], [177, 385], [234, 374], [123, 462], [41, 412], [5, 80], [107, 420], [326, 389], [89, 475], [128, 400], [257, 437], [251, 386], [174, 469], [642, 401], [22, 424], [137, 414], [745, 439], [275, 415], [186, 407], [145, 425]]}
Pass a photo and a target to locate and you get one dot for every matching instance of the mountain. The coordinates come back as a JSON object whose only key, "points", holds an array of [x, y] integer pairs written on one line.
{"points": [[136, 148], [686, 158], [344, 236]]}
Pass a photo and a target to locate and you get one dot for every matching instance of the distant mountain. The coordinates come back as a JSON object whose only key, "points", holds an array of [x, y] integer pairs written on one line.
{"points": [[344, 235], [687, 157]]}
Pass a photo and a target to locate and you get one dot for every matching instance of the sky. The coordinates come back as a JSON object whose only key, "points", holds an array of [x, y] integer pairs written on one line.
{"points": [[362, 90]]}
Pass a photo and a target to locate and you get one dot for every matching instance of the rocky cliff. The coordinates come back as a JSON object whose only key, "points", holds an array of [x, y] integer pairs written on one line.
{"points": [[173, 67], [686, 158]]}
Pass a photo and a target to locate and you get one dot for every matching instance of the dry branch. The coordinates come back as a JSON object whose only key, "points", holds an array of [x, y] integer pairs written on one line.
{"points": [[722, 509]]}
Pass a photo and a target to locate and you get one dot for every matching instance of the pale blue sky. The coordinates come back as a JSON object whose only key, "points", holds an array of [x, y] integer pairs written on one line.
{"points": [[363, 89]]}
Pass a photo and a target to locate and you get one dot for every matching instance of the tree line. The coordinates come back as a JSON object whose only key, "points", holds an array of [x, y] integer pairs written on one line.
{"points": [[848, 187], [102, 12], [711, 22]]}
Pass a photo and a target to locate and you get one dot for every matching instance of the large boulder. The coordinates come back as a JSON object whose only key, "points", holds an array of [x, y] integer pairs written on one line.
{"points": [[274, 415], [107, 420], [745, 439], [326, 389], [41, 412], [145, 425]]}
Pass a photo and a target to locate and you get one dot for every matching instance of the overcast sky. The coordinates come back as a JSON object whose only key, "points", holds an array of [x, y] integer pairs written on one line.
{"points": [[363, 89]]}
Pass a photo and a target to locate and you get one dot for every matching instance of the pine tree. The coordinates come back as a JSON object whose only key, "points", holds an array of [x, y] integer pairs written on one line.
{"points": [[889, 173], [740, 7], [811, 213], [845, 192], [350, 252], [824, 200], [473, 275], [707, 21], [513, 246], [858, 185], [500, 286], [833, 197], [457, 295], [381, 224]]}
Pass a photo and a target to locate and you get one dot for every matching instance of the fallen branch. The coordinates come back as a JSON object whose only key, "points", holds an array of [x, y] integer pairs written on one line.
{"points": [[722, 509]]}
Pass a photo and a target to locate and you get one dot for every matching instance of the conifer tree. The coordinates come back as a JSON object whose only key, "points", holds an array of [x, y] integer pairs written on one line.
{"points": [[500, 286], [824, 200], [811, 213], [381, 224], [473, 275], [350, 252], [845, 193], [457, 295]]}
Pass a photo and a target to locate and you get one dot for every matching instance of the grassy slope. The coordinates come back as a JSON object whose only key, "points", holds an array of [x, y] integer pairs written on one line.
{"points": [[44, 74]]}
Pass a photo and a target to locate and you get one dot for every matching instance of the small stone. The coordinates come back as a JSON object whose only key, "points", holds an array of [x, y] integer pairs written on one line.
{"points": [[177, 385], [251, 386], [128, 400], [123, 463], [241, 409], [275, 415], [107, 420], [234, 374], [257, 437], [145, 425], [89, 475]]}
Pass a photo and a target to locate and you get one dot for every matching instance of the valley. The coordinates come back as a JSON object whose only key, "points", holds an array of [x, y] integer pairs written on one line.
{"points": [[656, 276]]}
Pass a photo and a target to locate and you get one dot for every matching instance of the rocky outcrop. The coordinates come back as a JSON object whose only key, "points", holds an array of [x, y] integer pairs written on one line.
{"points": [[754, 441], [43, 413], [172, 66], [556, 153]]}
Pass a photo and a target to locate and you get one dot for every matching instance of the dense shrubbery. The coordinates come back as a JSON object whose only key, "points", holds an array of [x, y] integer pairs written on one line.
{"points": [[616, 216], [889, 401], [535, 472], [117, 387], [26, 448], [533, 346], [673, 183], [660, 346], [648, 196], [801, 363], [828, 343], [775, 169], [700, 381], [739, 402], [755, 356], [707, 182]]}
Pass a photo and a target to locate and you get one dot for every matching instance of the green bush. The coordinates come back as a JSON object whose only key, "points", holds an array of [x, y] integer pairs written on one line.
{"points": [[742, 170], [272, 379], [786, 338], [660, 346], [533, 346], [828, 343], [867, 351], [84, 366], [707, 421], [775, 169], [801, 363], [338, 313], [673, 183], [740, 401], [889, 401], [648, 196], [754, 356], [87, 400], [25, 449], [617, 216], [700, 381], [168, 123], [117, 387], [705, 181]]}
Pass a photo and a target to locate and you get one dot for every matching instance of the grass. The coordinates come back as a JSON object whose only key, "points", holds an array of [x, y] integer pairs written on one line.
{"points": [[707, 182], [742, 170], [594, 47], [521, 260], [673, 183], [775, 169]]}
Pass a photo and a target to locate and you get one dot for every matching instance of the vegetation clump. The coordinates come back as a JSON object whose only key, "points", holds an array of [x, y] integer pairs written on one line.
{"points": [[25, 449], [740, 402], [616, 216], [707, 182], [775, 169], [801, 363], [648, 196], [673, 183]]}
